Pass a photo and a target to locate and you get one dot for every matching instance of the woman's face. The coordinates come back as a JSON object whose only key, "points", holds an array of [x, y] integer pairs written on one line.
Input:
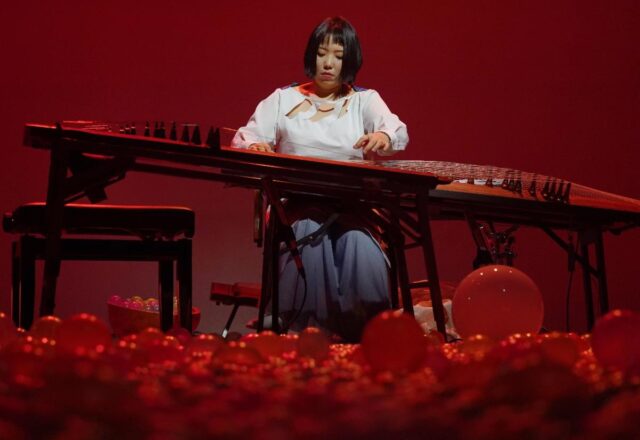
{"points": [[329, 64]]}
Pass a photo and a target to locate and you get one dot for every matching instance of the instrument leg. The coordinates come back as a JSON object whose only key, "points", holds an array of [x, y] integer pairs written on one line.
{"points": [[603, 294], [267, 271], [402, 272], [393, 274], [422, 200], [483, 250], [274, 258], [282, 233], [585, 264]]}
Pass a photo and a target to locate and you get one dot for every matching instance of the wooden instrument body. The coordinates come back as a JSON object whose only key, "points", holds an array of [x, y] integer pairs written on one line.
{"points": [[453, 187]]}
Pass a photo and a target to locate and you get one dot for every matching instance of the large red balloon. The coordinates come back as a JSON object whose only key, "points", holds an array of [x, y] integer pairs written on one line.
{"points": [[615, 340], [497, 301]]}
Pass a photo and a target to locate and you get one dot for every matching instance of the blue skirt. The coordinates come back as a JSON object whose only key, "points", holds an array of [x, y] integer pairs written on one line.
{"points": [[347, 281]]}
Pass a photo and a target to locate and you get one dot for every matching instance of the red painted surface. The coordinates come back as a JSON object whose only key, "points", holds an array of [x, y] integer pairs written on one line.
{"points": [[550, 87]]}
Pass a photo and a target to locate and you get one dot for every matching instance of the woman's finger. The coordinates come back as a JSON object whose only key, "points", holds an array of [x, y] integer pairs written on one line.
{"points": [[372, 145], [261, 146], [362, 141], [383, 146]]}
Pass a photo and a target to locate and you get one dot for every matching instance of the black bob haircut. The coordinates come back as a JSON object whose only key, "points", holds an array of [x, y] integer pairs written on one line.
{"points": [[340, 32]]}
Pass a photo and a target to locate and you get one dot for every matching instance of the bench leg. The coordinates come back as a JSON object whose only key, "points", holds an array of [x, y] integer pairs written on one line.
{"points": [[165, 275], [184, 265]]}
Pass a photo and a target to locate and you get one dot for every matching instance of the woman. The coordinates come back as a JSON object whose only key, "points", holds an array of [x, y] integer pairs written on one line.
{"points": [[329, 117]]}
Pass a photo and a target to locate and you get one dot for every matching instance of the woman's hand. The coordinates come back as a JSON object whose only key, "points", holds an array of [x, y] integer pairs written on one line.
{"points": [[378, 142], [261, 146]]}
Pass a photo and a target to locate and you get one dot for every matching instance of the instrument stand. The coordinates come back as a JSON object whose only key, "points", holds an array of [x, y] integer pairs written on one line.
{"points": [[278, 230], [493, 246], [389, 218], [589, 237], [496, 247]]}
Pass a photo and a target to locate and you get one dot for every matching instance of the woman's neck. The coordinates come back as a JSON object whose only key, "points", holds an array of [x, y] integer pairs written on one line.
{"points": [[326, 93]]}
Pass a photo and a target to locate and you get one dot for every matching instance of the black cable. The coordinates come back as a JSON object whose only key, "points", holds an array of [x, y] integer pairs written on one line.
{"points": [[301, 274], [312, 239], [299, 311]]}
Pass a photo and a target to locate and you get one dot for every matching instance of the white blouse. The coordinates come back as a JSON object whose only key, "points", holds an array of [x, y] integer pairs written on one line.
{"points": [[276, 122]]}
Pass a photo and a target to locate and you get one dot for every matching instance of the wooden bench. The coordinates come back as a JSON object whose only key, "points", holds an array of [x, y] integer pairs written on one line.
{"points": [[116, 233]]}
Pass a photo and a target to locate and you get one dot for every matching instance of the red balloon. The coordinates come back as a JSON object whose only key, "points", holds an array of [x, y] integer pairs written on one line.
{"points": [[204, 345], [497, 301], [8, 331], [289, 342], [267, 343], [437, 361], [476, 346], [615, 340], [237, 353], [434, 337], [313, 343], [149, 336], [46, 327], [164, 350], [24, 361], [392, 342], [560, 348], [82, 333], [181, 334]]}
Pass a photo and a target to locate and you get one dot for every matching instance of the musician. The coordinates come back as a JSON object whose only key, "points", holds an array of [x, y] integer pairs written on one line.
{"points": [[329, 117]]}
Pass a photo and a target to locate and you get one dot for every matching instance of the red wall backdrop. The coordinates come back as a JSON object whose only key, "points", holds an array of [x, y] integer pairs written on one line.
{"points": [[544, 86]]}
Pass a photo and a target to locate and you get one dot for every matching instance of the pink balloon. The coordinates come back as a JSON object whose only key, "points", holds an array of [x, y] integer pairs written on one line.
{"points": [[497, 301]]}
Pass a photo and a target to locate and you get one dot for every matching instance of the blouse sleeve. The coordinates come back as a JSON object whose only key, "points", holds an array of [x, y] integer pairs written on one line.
{"points": [[262, 126], [378, 117]]}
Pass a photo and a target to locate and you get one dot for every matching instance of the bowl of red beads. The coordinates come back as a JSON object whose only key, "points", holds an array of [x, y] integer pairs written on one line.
{"points": [[134, 314]]}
